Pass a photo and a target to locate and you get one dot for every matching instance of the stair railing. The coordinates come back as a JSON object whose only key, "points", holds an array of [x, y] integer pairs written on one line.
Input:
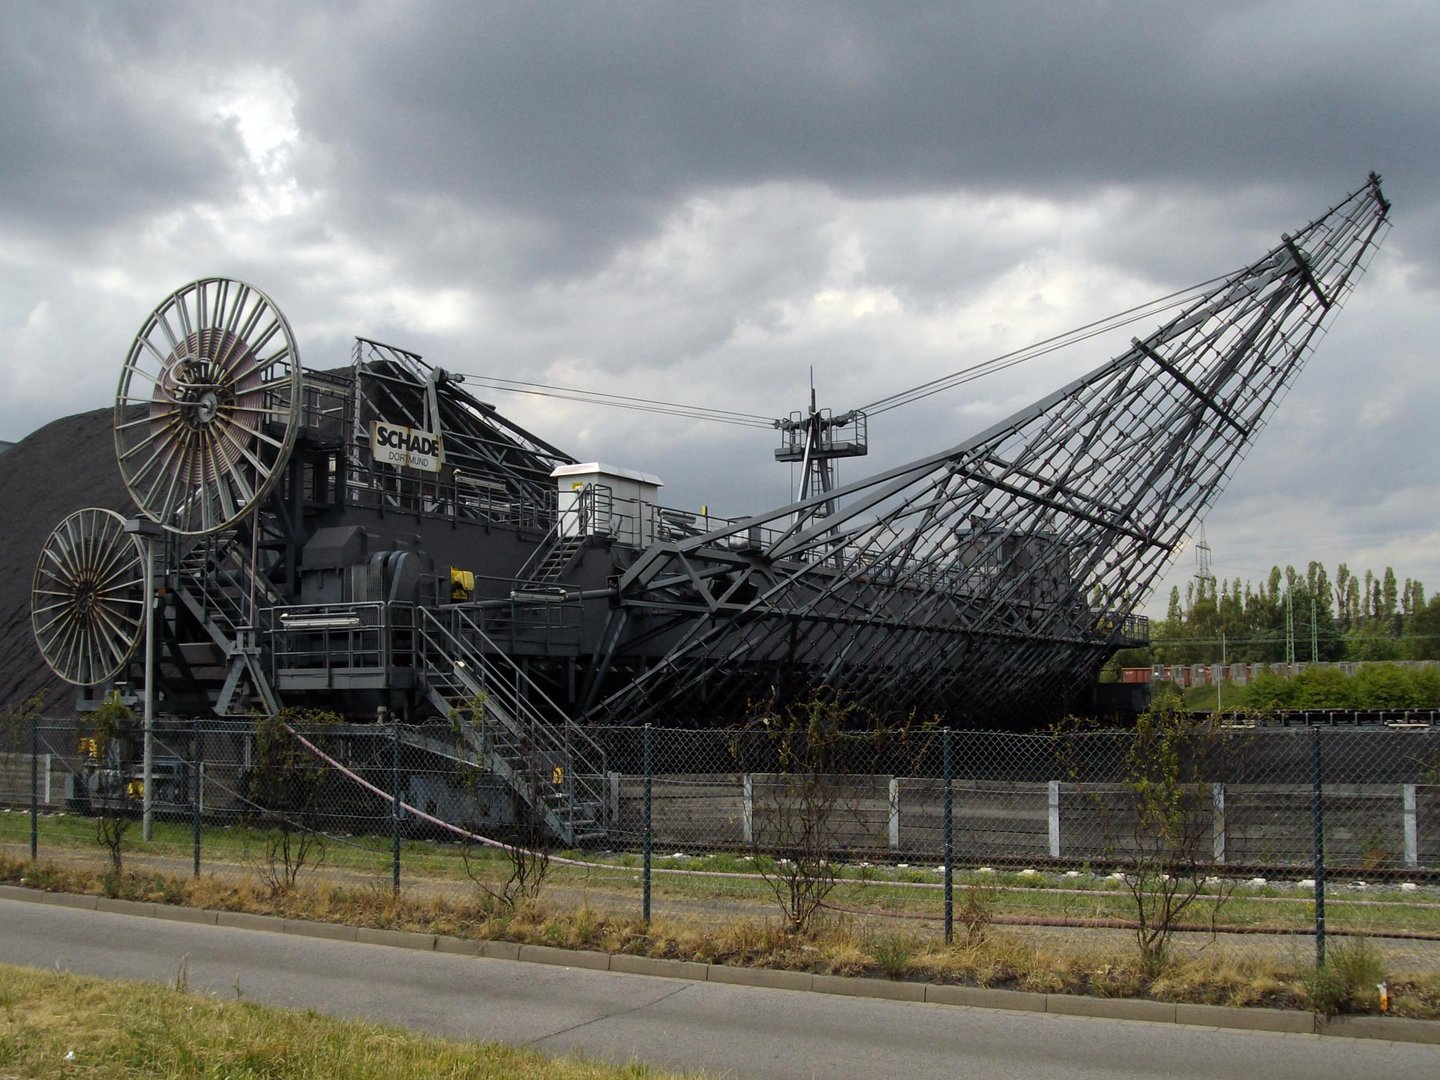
{"points": [[459, 660]]}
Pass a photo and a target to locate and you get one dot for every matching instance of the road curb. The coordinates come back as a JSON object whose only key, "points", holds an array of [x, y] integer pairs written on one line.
{"points": [[57, 899], [769, 978], [889, 990], [977, 997], [395, 939], [576, 958], [1279, 1021], [654, 965]]}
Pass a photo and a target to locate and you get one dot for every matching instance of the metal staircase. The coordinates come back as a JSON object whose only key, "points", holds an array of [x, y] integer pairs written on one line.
{"points": [[556, 552], [557, 559], [512, 728], [214, 581]]}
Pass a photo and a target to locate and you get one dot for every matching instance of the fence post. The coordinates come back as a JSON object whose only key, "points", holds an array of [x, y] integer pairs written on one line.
{"points": [[894, 813], [747, 807], [395, 804], [1054, 818], [1217, 804], [1412, 833], [35, 788], [1318, 814], [949, 838], [197, 764], [645, 810]]}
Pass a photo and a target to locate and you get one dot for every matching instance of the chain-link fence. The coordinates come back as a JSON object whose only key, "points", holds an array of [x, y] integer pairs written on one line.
{"points": [[1303, 829]]}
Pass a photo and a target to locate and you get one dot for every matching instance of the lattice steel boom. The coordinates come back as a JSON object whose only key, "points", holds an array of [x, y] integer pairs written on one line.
{"points": [[992, 580]]}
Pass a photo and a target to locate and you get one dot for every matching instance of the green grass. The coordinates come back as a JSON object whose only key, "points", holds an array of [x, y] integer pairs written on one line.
{"points": [[235, 844], [894, 890], [59, 1025]]}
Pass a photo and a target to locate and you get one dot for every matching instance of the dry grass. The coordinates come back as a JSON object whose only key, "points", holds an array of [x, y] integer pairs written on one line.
{"points": [[1004, 957]]}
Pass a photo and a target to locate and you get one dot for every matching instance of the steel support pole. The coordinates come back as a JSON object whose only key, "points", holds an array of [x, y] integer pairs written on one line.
{"points": [[147, 793], [645, 873], [949, 839], [1318, 813], [395, 804], [197, 759], [34, 788]]}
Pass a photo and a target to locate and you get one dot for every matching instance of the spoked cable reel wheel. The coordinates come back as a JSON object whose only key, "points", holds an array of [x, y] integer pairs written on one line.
{"points": [[87, 604], [208, 406]]}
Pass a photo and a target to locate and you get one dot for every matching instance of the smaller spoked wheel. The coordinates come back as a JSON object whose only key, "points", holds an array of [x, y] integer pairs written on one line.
{"points": [[208, 406], [87, 605]]}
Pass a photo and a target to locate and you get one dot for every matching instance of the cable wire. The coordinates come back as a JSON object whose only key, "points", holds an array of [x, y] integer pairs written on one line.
{"points": [[1040, 348], [885, 404], [621, 401]]}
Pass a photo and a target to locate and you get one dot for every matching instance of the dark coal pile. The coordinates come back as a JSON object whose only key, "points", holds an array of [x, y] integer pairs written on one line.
{"points": [[63, 467]]}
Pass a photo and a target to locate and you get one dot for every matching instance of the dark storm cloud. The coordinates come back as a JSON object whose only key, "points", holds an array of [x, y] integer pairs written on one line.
{"points": [[96, 127], [587, 122]]}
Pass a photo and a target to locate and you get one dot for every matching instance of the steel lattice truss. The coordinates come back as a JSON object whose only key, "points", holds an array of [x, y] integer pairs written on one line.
{"points": [[1013, 559], [398, 385]]}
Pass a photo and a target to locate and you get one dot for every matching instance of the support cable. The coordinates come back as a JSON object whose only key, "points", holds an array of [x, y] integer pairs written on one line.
{"points": [[893, 401]]}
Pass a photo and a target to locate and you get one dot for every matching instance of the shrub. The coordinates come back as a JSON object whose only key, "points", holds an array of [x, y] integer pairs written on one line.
{"points": [[1157, 827]]}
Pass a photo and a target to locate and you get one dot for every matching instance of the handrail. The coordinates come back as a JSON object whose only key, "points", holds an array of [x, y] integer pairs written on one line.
{"points": [[488, 672], [542, 549], [582, 785], [583, 513], [370, 634]]}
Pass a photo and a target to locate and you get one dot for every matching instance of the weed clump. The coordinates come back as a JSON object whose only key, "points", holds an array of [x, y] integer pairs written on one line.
{"points": [[1348, 981]]}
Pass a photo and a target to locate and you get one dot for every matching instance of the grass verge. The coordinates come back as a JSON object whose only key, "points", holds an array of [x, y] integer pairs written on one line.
{"points": [[903, 891], [995, 957], [54, 1024]]}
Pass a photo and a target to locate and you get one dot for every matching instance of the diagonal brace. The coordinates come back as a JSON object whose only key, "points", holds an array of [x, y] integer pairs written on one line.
{"points": [[1180, 377], [1303, 265]]}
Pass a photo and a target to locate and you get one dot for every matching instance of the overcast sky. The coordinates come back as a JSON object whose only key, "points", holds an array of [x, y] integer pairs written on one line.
{"points": [[701, 202]]}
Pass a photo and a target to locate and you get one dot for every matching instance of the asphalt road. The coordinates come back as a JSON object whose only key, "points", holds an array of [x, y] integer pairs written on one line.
{"points": [[733, 1031]]}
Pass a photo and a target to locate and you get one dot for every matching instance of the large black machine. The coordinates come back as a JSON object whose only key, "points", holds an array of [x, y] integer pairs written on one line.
{"points": [[375, 540]]}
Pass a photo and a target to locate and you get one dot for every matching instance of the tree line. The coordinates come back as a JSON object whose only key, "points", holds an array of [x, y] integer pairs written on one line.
{"points": [[1294, 616]]}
